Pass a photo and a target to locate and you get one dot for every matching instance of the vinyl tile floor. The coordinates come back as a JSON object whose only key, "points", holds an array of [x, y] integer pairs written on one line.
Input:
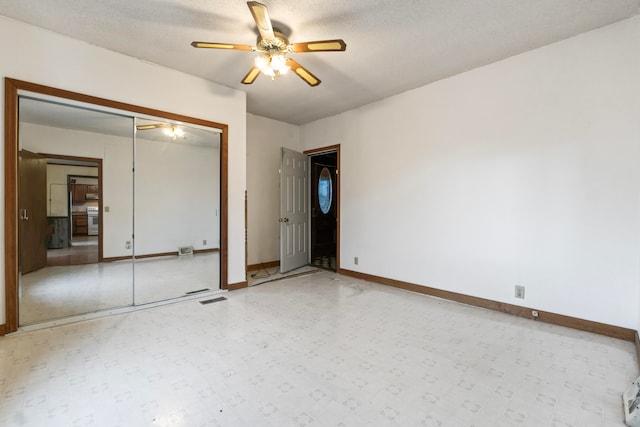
{"points": [[315, 350]]}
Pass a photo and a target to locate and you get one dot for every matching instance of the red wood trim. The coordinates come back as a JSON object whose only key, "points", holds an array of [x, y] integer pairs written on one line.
{"points": [[338, 179], [246, 234], [224, 207], [11, 204], [116, 258], [236, 286], [3, 330], [637, 345], [159, 254], [543, 316], [81, 97], [270, 264], [80, 159], [320, 150], [205, 251]]}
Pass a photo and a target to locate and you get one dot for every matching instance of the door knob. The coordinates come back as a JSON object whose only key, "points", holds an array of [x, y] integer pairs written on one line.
{"points": [[284, 219]]}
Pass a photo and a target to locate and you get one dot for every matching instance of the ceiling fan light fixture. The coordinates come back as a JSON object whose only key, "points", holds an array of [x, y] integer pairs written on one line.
{"points": [[174, 132], [278, 62], [264, 65], [273, 45], [262, 62], [273, 65]]}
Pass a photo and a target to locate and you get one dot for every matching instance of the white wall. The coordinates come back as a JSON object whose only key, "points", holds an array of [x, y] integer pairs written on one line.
{"points": [[176, 197], [264, 139], [176, 187], [47, 58], [523, 172]]}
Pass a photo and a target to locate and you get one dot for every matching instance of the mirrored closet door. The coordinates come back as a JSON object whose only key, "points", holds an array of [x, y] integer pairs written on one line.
{"points": [[177, 205], [116, 210]]}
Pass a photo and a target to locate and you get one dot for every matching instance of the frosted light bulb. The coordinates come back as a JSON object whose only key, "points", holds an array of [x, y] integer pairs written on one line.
{"points": [[278, 62], [262, 63]]}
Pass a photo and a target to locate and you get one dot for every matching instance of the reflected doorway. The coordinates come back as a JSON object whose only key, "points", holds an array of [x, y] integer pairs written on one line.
{"points": [[73, 210]]}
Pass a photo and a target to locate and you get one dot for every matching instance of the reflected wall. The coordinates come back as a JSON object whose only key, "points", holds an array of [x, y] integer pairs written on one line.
{"points": [[177, 209]]}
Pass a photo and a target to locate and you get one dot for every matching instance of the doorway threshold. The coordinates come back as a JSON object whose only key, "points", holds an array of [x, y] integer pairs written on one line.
{"points": [[259, 278]]}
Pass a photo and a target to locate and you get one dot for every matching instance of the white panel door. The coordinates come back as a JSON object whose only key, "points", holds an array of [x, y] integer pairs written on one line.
{"points": [[294, 217]]}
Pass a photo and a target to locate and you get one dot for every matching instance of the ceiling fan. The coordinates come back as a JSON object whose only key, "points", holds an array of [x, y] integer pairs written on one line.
{"points": [[273, 47]]}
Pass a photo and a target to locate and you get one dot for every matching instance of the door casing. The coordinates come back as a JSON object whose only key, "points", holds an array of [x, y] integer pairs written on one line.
{"points": [[324, 150]]}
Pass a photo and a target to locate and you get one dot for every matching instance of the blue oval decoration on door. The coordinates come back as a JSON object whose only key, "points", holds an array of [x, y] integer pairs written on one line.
{"points": [[325, 190]]}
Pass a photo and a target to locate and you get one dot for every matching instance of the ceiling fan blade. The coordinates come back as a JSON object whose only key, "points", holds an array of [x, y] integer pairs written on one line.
{"points": [[303, 73], [228, 46], [261, 16], [337, 45], [251, 76], [153, 126]]}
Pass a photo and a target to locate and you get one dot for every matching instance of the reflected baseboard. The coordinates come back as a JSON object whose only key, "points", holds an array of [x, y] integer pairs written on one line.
{"points": [[269, 264], [159, 254], [236, 286]]}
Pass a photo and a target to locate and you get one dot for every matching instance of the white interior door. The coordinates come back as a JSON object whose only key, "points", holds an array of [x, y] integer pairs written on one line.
{"points": [[294, 217]]}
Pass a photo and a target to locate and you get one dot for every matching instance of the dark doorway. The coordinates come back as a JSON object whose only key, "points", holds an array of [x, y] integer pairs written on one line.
{"points": [[324, 212]]}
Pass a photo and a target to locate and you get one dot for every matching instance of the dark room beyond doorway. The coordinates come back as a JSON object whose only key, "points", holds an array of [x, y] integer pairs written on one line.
{"points": [[324, 210]]}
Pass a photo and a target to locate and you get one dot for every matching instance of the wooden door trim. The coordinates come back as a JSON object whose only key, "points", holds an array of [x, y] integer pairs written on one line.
{"points": [[11, 88], [11, 205], [331, 149]]}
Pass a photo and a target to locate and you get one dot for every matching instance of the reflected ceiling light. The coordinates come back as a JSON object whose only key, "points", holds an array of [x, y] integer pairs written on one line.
{"points": [[174, 132]]}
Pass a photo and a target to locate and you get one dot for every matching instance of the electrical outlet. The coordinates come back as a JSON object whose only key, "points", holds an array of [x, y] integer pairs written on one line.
{"points": [[355, 260], [204, 243], [127, 244], [519, 291], [534, 313]]}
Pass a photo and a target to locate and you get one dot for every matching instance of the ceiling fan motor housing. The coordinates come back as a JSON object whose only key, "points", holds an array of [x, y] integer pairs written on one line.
{"points": [[279, 44]]}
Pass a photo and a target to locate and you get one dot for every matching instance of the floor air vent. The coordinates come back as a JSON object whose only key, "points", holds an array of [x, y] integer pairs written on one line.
{"points": [[209, 301]]}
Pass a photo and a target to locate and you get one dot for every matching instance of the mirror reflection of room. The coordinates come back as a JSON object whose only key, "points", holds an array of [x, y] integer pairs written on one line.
{"points": [[73, 238], [82, 201], [69, 157]]}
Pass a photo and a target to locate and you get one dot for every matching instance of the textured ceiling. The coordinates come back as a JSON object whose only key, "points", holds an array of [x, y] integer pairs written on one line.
{"points": [[392, 45]]}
